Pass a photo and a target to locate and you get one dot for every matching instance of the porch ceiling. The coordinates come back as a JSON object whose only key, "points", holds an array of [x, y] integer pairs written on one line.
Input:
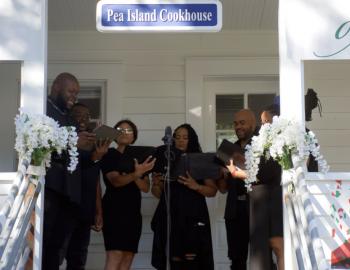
{"points": [[254, 15]]}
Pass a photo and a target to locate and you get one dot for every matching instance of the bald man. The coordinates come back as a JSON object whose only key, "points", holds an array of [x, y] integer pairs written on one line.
{"points": [[62, 188], [236, 211]]}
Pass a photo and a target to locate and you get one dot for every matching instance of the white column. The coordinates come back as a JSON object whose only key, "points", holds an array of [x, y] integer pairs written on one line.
{"points": [[291, 100], [37, 103]]}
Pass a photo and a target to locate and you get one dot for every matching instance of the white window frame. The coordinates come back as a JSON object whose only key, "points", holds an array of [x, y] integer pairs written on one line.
{"points": [[198, 69], [109, 74]]}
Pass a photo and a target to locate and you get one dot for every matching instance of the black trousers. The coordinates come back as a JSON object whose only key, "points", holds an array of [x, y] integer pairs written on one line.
{"points": [[60, 219], [237, 231], [77, 246]]}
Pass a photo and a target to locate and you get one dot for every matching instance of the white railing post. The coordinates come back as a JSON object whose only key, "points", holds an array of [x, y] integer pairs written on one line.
{"points": [[39, 223], [290, 260]]}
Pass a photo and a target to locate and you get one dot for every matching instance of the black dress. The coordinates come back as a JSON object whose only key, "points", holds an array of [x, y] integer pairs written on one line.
{"points": [[190, 228], [121, 206], [266, 213]]}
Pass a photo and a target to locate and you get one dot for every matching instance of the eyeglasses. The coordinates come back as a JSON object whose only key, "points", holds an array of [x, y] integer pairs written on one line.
{"points": [[125, 130]]}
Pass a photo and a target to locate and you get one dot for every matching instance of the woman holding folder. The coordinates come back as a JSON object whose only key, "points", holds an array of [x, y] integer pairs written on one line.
{"points": [[190, 237]]}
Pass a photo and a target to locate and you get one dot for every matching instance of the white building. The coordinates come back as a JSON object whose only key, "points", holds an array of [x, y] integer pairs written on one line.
{"points": [[161, 79]]}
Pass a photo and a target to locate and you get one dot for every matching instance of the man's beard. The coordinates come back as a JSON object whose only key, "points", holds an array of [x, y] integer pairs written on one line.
{"points": [[61, 102], [246, 135]]}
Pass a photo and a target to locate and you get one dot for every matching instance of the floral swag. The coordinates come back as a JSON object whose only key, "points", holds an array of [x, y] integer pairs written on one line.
{"points": [[38, 136], [281, 140]]}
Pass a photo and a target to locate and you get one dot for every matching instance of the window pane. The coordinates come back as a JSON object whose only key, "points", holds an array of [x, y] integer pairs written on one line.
{"points": [[94, 106], [226, 107], [91, 97], [257, 102]]}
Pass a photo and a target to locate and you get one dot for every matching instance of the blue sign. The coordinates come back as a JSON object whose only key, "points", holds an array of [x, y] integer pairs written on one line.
{"points": [[194, 16]]}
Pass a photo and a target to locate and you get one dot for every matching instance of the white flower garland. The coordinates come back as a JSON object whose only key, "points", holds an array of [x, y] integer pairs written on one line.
{"points": [[39, 135], [280, 140]]}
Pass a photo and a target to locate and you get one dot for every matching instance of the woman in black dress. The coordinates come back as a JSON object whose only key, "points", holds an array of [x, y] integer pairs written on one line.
{"points": [[190, 237], [266, 209], [124, 179]]}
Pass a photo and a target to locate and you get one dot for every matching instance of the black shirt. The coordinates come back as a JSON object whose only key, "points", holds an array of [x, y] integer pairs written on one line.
{"points": [[58, 178], [270, 172], [236, 187], [126, 199], [90, 177]]}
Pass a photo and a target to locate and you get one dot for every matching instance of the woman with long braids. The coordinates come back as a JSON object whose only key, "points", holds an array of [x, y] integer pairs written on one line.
{"points": [[190, 236]]}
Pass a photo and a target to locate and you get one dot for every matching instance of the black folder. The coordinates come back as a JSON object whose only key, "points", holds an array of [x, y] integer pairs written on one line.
{"points": [[227, 151], [105, 132], [141, 153], [199, 166]]}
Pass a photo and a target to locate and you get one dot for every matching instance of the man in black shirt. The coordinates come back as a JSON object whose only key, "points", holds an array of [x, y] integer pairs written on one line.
{"points": [[62, 188], [236, 211]]}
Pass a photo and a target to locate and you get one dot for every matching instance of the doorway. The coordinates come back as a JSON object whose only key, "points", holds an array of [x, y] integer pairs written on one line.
{"points": [[222, 98]]}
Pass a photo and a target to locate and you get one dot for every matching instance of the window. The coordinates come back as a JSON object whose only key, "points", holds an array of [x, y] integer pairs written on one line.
{"points": [[228, 105], [92, 96]]}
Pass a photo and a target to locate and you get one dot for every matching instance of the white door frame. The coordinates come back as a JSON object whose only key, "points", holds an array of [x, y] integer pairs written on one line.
{"points": [[197, 70], [244, 86]]}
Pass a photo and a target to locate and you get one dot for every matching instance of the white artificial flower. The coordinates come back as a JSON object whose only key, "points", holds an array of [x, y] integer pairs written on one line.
{"points": [[39, 135], [281, 140]]}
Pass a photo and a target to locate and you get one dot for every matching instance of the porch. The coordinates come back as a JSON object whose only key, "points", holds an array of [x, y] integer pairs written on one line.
{"points": [[167, 79]]}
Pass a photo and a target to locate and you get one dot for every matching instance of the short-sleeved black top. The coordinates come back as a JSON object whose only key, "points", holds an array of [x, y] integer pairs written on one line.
{"points": [[126, 198]]}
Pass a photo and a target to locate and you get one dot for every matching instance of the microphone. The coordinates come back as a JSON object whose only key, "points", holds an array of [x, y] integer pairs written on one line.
{"points": [[168, 136]]}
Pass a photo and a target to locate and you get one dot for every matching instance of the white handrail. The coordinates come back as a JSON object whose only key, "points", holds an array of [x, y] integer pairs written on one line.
{"points": [[10, 222], [15, 217], [18, 178], [294, 234], [301, 220], [19, 233]]}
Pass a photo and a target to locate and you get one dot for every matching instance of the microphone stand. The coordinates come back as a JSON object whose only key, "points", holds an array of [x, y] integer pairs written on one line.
{"points": [[168, 142]]}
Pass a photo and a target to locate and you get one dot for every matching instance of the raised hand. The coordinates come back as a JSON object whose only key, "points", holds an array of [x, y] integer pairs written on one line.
{"points": [[86, 140], [101, 148], [147, 165], [231, 168], [189, 182], [235, 171]]}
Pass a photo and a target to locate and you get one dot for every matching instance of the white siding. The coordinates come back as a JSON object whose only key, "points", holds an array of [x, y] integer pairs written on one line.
{"points": [[153, 90], [331, 80]]}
